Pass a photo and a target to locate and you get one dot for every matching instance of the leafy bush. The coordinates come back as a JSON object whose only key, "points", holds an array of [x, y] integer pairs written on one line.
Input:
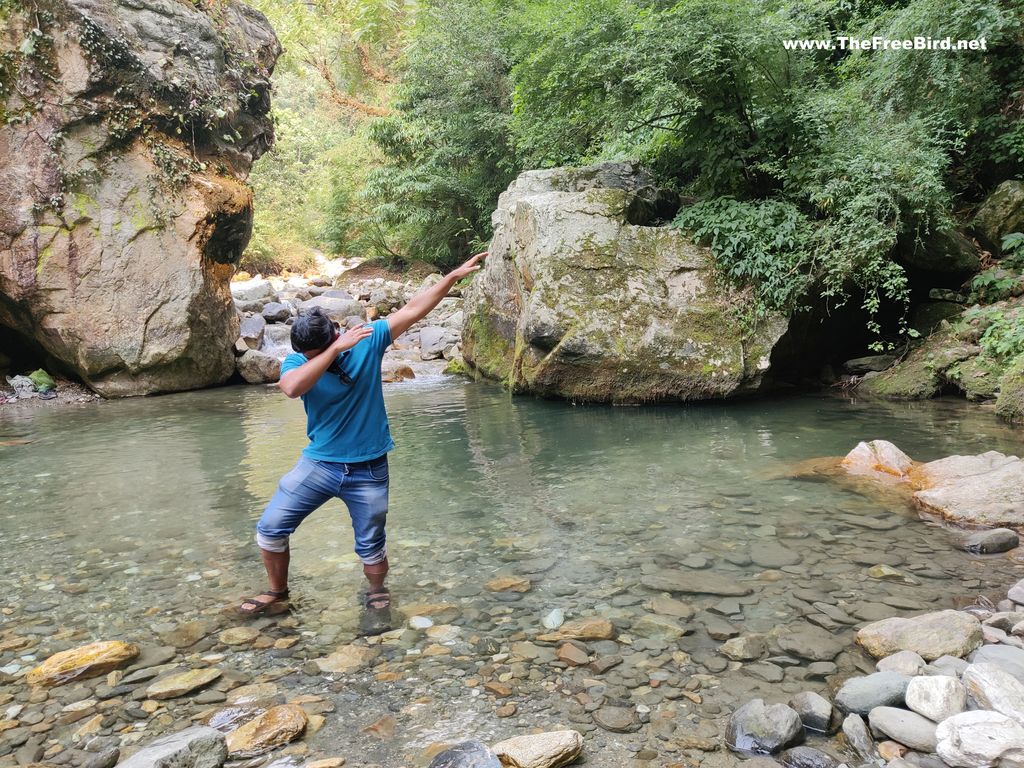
{"points": [[1002, 336], [761, 243]]}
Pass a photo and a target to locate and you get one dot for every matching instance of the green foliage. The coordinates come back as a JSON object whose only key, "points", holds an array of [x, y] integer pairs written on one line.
{"points": [[1002, 330], [338, 56], [447, 156], [1006, 279], [762, 243]]}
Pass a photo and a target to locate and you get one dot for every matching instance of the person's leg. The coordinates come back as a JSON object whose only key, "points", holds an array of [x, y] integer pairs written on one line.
{"points": [[300, 492], [365, 493]]}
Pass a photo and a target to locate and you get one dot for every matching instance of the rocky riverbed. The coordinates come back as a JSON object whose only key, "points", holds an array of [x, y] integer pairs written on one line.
{"points": [[267, 308], [647, 662]]}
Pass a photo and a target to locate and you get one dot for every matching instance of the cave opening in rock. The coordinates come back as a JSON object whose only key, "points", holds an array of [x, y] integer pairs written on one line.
{"points": [[20, 355]]}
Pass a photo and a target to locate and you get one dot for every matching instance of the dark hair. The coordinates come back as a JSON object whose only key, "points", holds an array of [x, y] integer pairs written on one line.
{"points": [[312, 330]]}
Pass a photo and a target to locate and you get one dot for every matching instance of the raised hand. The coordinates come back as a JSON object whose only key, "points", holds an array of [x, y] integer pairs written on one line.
{"points": [[351, 337], [471, 265]]}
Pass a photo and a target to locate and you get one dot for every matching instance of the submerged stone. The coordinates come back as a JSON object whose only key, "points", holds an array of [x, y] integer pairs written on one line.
{"points": [[86, 661], [468, 754], [278, 725], [179, 684]]}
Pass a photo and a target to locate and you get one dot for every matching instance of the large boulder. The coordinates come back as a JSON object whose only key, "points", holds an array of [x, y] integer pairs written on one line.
{"points": [[982, 490], [979, 739], [1000, 214], [953, 633], [1010, 402], [986, 490], [944, 250], [578, 299], [123, 208]]}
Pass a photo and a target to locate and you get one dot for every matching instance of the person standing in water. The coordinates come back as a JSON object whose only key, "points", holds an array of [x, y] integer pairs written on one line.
{"points": [[338, 377]]}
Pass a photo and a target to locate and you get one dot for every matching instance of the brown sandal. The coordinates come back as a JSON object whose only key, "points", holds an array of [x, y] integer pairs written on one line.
{"points": [[261, 606]]}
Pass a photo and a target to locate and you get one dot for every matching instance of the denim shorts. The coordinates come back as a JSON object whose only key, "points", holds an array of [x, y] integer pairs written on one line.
{"points": [[363, 487]]}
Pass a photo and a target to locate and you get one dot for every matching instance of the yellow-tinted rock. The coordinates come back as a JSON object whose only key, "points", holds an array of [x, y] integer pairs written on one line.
{"points": [[584, 629], [181, 683], [87, 661], [238, 635], [327, 762], [348, 658], [540, 750], [278, 725], [509, 584]]}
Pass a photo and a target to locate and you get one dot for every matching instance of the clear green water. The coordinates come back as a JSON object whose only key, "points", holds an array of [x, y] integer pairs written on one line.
{"points": [[146, 508]]}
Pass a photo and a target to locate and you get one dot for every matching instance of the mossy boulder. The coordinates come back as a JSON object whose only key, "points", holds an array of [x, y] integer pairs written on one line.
{"points": [[1000, 214], [1010, 403], [575, 301], [921, 374], [125, 148]]}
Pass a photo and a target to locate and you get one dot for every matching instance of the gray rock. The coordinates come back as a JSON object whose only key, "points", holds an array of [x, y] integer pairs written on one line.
{"points": [[252, 290], [275, 312], [807, 757], [694, 582], [1007, 658], [432, 342], [979, 739], [617, 719], [815, 711], [337, 309], [990, 687], [196, 747], [906, 663], [936, 697], [536, 317], [127, 286], [468, 754], [259, 368], [858, 737], [809, 642], [762, 670], [950, 666], [251, 331], [949, 632], [771, 554], [983, 490], [861, 365], [991, 541], [908, 728], [859, 695], [1016, 592], [942, 250], [744, 648], [106, 759], [763, 729]]}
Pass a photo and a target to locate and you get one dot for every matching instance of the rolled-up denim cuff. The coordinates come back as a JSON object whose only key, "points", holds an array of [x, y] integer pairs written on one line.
{"points": [[277, 544], [375, 558]]}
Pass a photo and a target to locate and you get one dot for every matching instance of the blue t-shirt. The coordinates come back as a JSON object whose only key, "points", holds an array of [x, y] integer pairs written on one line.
{"points": [[348, 422]]}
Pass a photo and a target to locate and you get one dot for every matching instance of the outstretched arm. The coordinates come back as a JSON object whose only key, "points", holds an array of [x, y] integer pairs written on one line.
{"points": [[419, 305]]}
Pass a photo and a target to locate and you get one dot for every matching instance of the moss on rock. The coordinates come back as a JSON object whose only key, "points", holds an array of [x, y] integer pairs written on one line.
{"points": [[1010, 403]]}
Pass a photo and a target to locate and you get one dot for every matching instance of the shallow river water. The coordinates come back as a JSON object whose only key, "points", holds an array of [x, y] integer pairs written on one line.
{"points": [[134, 520]]}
